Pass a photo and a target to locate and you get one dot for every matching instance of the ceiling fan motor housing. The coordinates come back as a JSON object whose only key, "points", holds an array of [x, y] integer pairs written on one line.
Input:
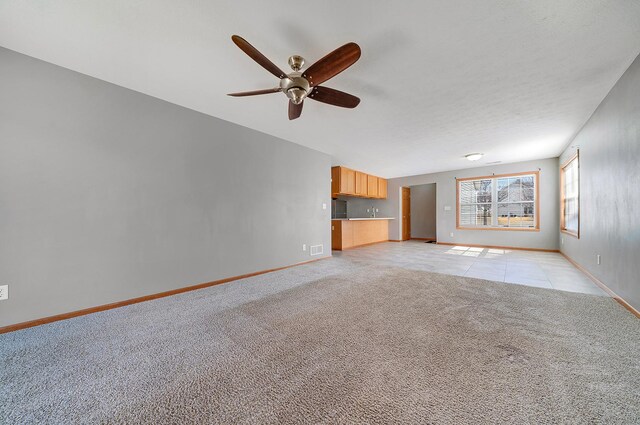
{"points": [[295, 87]]}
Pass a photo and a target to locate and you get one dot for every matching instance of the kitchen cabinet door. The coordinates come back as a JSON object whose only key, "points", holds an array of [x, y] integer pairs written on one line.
{"points": [[335, 181], [382, 188], [347, 181], [372, 186], [361, 184]]}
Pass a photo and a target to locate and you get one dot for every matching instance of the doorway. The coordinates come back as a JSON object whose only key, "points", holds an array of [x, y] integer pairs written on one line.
{"points": [[406, 213], [423, 212]]}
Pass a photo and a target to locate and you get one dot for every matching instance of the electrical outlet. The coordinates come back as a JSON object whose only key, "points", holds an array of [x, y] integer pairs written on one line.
{"points": [[561, 241], [304, 246], [451, 234], [598, 259], [324, 206], [4, 292]]}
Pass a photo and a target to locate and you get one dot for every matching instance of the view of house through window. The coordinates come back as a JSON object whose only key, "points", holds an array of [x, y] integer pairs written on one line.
{"points": [[506, 201], [570, 202]]}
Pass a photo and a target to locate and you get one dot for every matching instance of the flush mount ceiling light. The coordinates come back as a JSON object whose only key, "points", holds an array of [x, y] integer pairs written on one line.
{"points": [[473, 156]]}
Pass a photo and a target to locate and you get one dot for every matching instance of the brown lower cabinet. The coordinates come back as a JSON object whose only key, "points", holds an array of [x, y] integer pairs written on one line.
{"points": [[351, 233]]}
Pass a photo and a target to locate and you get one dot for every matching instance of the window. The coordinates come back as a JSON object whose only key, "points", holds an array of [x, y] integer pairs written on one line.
{"points": [[504, 202], [570, 197]]}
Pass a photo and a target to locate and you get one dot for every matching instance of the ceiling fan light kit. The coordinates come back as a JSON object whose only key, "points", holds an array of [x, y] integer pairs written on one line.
{"points": [[297, 85]]}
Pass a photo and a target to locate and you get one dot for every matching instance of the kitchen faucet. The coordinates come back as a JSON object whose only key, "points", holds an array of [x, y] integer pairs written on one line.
{"points": [[373, 212]]}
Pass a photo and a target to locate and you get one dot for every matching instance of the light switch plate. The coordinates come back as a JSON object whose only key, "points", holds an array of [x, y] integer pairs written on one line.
{"points": [[447, 207], [4, 292], [324, 206]]}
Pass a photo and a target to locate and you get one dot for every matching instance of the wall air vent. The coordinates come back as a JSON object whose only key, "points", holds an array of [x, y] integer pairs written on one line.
{"points": [[316, 249]]}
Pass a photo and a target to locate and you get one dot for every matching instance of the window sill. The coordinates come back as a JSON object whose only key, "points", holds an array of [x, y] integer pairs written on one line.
{"points": [[508, 229], [567, 232]]}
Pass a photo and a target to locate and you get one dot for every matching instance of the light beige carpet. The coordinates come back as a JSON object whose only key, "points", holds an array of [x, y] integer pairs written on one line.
{"points": [[370, 345]]}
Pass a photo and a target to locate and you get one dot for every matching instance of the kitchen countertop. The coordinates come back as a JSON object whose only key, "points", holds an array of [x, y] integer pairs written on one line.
{"points": [[365, 218]]}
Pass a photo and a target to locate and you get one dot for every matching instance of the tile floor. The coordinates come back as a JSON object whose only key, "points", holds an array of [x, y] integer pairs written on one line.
{"points": [[540, 269]]}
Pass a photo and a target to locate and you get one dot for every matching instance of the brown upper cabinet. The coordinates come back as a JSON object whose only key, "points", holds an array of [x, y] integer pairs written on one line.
{"points": [[372, 186], [345, 181], [361, 184], [382, 188]]}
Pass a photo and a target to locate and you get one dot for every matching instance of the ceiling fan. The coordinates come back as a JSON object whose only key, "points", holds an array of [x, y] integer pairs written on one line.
{"points": [[298, 84]]}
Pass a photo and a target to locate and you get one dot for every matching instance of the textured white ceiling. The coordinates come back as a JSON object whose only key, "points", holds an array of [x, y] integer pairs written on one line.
{"points": [[438, 79]]}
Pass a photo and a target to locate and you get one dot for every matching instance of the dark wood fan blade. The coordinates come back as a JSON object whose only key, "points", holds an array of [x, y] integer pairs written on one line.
{"points": [[334, 97], [255, 92], [332, 64], [257, 56], [295, 110]]}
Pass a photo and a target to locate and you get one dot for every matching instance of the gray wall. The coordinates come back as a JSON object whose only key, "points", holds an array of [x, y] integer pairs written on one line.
{"points": [[610, 190], [423, 211], [546, 238], [107, 194], [357, 207]]}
